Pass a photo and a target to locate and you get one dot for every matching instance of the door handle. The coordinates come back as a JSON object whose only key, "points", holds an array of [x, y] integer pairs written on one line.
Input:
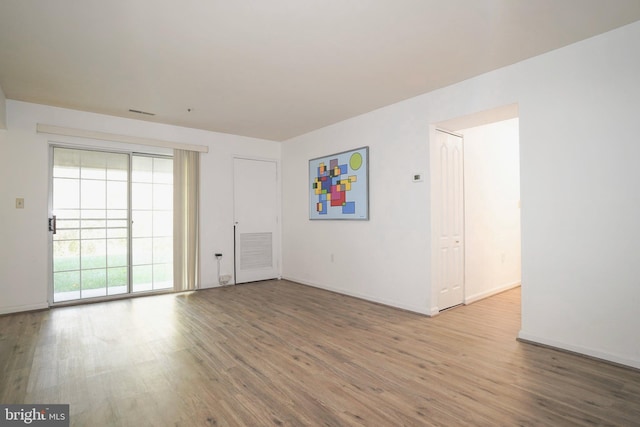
{"points": [[52, 224]]}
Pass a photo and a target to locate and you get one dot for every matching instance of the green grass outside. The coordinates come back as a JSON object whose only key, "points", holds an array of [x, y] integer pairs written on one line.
{"points": [[97, 273]]}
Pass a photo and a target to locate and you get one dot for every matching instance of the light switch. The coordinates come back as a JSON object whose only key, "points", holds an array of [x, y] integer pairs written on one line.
{"points": [[20, 203]]}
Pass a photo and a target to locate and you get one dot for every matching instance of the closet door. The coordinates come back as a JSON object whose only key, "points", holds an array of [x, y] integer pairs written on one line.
{"points": [[256, 219]]}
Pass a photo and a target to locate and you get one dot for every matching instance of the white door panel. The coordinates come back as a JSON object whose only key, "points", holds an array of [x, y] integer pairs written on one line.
{"points": [[256, 219], [450, 263]]}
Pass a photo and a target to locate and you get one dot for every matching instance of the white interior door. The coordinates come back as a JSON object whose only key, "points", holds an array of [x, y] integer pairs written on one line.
{"points": [[450, 219], [256, 219]]}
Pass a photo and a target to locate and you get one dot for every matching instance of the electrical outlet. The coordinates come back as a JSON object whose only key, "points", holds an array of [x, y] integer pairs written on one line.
{"points": [[20, 203]]}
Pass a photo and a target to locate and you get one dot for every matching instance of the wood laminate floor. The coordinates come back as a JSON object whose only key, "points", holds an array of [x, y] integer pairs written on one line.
{"points": [[279, 353]]}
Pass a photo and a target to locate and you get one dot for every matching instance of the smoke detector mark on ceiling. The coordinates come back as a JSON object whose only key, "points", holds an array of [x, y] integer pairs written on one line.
{"points": [[141, 112]]}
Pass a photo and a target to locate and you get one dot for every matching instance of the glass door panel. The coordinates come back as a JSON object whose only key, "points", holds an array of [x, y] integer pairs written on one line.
{"points": [[152, 223], [90, 201]]}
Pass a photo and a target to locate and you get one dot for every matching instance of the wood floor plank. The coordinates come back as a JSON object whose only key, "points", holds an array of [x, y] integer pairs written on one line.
{"points": [[280, 353]]}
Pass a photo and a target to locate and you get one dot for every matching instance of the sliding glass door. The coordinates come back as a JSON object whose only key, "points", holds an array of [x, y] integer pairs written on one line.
{"points": [[93, 252], [152, 224]]}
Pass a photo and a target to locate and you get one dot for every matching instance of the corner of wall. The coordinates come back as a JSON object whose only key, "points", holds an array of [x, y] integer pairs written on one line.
{"points": [[3, 110], [604, 356], [23, 308], [470, 299]]}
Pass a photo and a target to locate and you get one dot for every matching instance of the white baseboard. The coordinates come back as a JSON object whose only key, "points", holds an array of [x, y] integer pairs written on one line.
{"points": [[434, 311], [209, 286], [468, 299], [382, 301], [21, 308], [596, 354]]}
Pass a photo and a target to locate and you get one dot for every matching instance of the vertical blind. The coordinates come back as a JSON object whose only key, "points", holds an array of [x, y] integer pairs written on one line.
{"points": [[186, 195]]}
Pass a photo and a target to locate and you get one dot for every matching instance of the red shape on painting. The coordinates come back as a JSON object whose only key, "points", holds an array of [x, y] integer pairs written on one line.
{"points": [[338, 198]]}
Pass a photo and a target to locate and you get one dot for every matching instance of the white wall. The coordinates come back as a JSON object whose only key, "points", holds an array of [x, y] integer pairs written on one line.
{"points": [[383, 259], [24, 165], [579, 147], [579, 109], [491, 209]]}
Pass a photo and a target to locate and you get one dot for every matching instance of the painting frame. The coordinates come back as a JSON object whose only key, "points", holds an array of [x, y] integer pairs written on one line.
{"points": [[339, 186]]}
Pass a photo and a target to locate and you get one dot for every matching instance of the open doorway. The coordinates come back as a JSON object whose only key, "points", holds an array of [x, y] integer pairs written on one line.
{"points": [[491, 242]]}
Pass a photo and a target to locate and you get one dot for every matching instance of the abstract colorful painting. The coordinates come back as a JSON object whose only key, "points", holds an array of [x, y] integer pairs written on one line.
{"points": [[339, 185]]}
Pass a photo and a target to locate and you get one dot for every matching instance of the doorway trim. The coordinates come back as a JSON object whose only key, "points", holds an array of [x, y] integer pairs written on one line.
{"points": [[479, 118]]}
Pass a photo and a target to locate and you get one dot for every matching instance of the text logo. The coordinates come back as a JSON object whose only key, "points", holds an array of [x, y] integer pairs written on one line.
{"points": [[34, 415]]}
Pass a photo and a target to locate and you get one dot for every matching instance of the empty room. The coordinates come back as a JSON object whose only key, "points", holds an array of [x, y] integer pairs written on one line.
{"points": [[332, 213]]}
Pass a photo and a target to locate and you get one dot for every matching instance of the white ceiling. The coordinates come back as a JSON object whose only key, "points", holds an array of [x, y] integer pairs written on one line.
{"points": [[272, 69]]}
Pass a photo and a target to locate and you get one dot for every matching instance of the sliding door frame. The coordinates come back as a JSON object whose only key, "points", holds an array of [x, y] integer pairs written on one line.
{"points": [[129, 293]]}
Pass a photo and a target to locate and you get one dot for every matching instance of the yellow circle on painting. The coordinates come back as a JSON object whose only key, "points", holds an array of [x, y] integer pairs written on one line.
{"points": [[355, 161]]}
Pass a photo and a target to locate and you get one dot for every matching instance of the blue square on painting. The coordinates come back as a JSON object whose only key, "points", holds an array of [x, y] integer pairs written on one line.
{"points": [[343, 169], [323, 208], [323, 197], [349, 208]]}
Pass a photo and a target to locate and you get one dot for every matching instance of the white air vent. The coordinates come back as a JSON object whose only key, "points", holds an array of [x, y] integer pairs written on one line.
{"points": [[255, 251]]}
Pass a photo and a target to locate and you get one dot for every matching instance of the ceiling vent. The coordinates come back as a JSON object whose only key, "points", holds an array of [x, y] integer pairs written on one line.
{"points": [[142, 112]]}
